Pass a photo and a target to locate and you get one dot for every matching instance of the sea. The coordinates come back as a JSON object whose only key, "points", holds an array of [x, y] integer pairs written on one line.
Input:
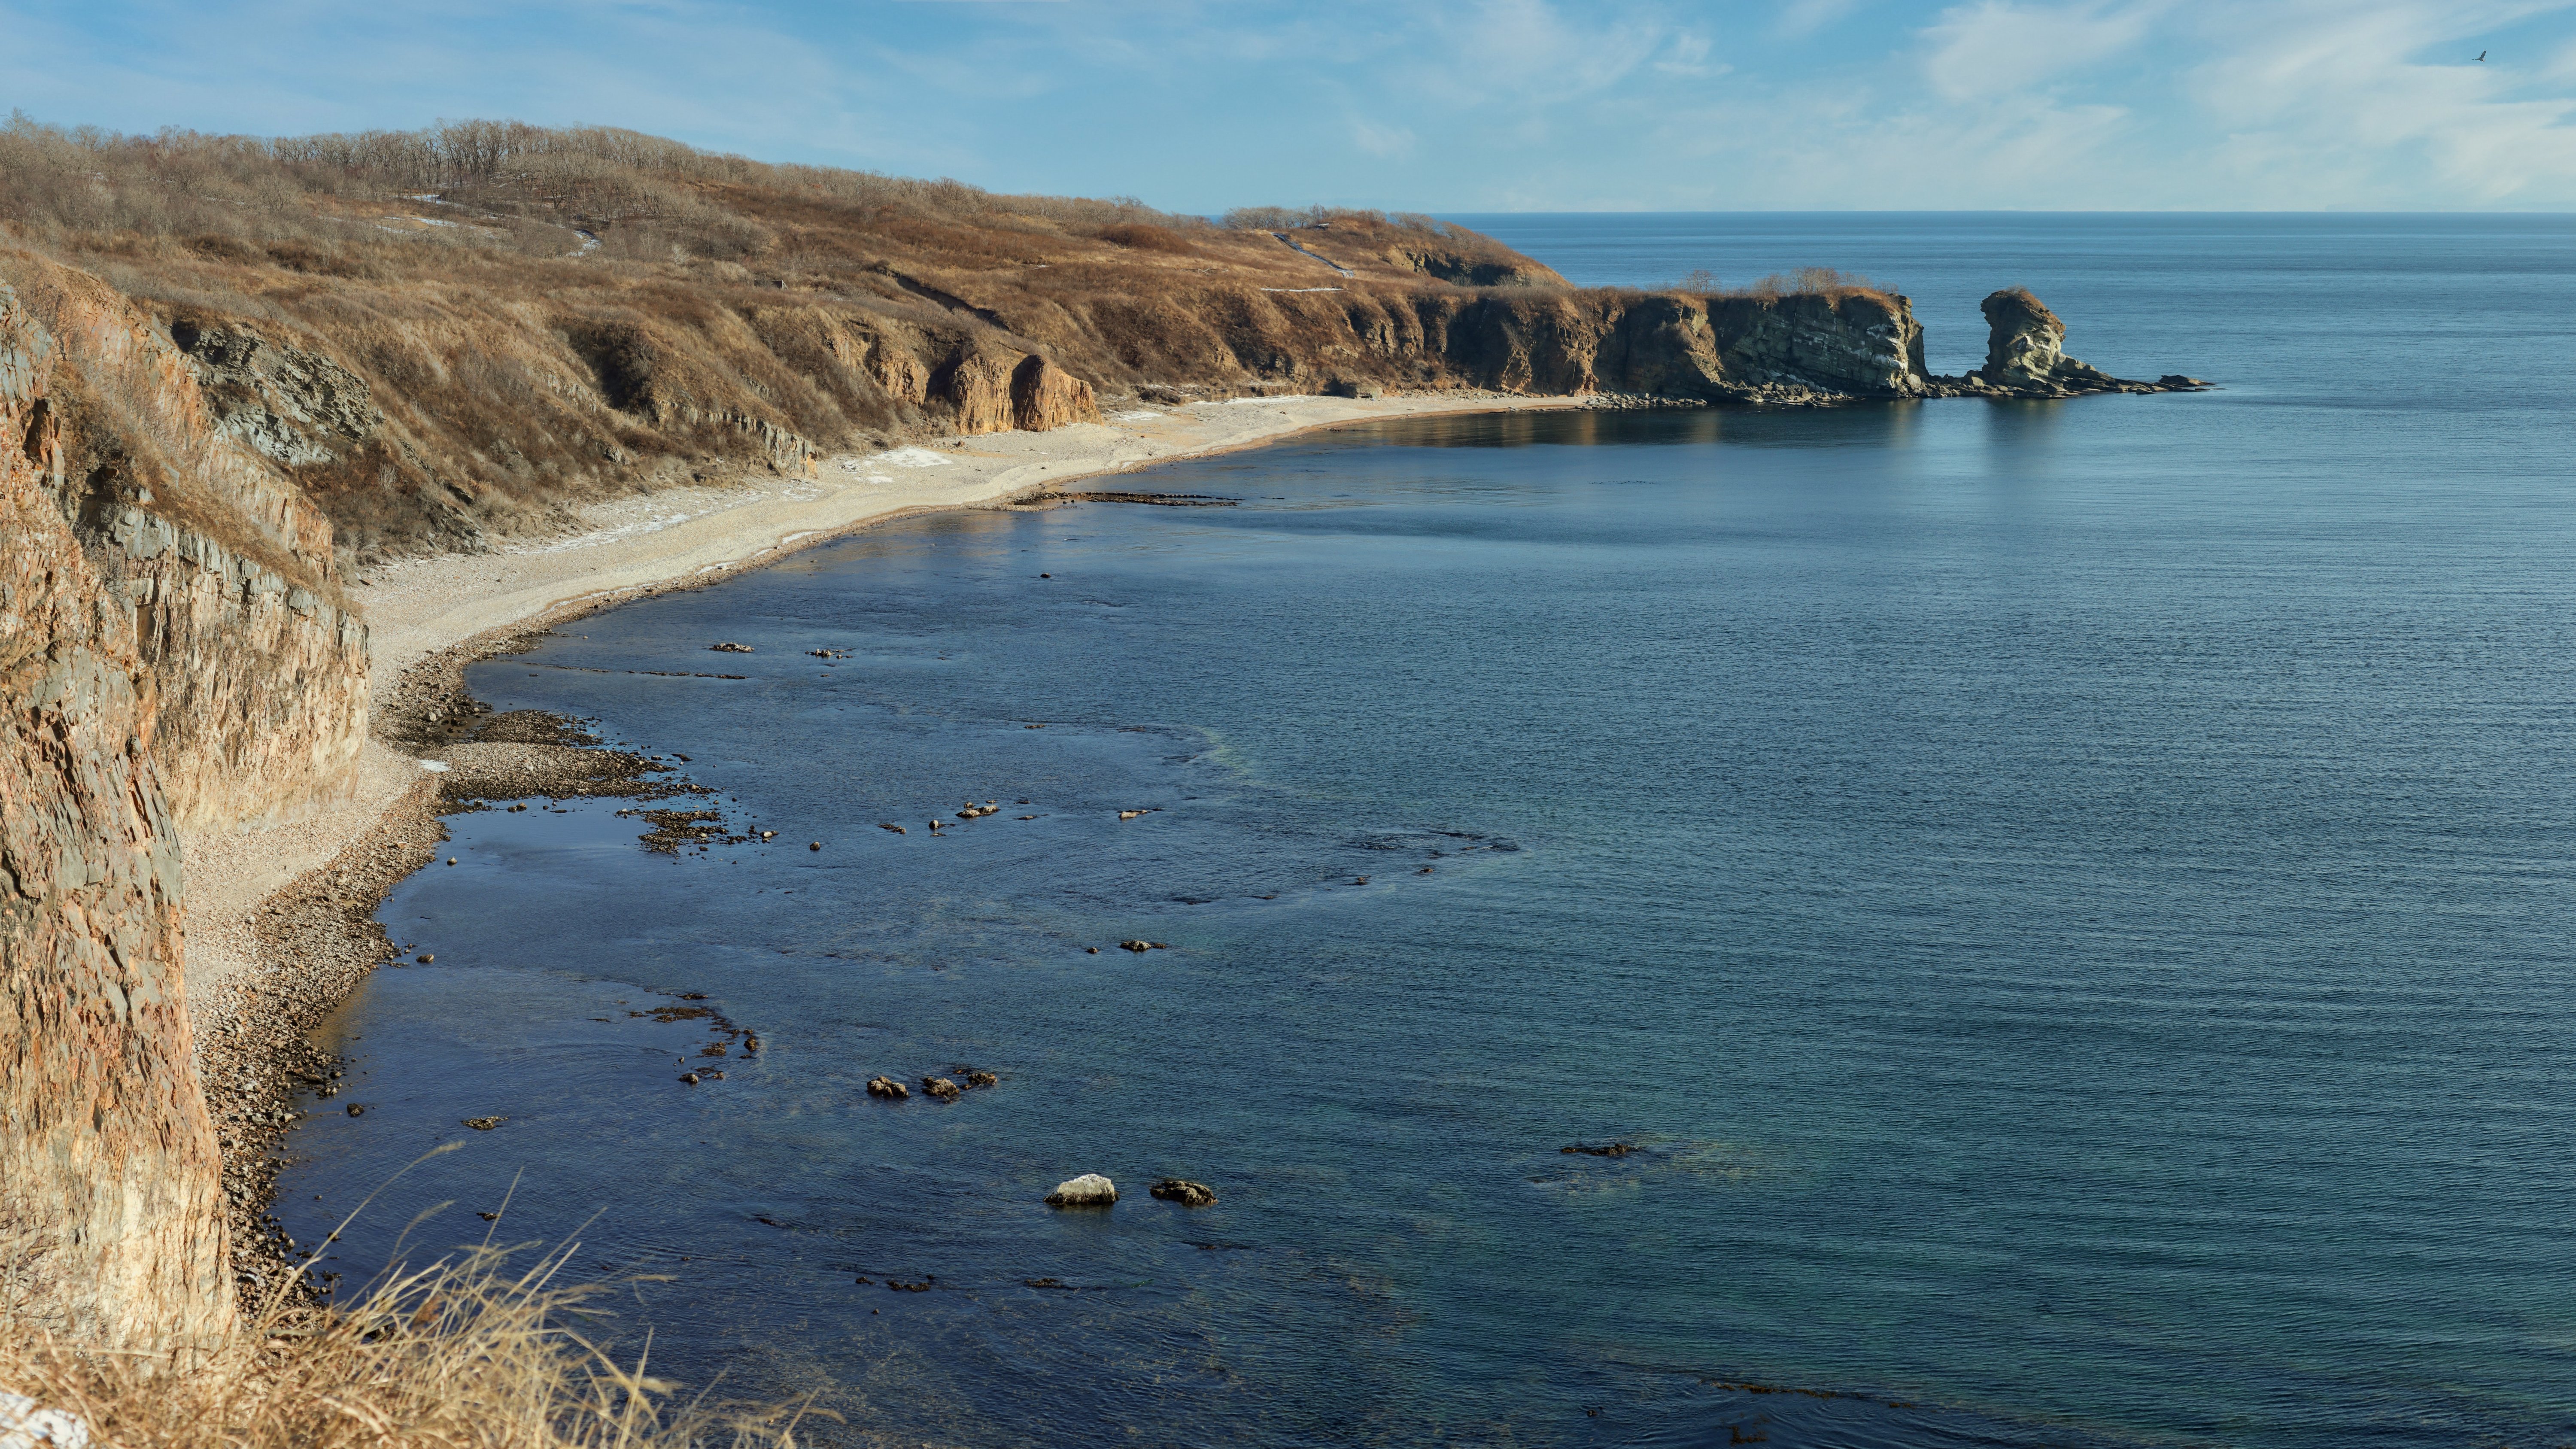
{"points": [[1929, 924]]}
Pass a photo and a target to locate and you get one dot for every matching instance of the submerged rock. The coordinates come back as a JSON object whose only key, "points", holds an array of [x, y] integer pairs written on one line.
{"points": [[1088, 1190], [1183, 1191], [484, 1124]]}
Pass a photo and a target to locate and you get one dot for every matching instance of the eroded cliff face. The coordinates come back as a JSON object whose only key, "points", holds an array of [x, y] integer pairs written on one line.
{"points": [[1807, 348], [110, 1223], [256, 672]]}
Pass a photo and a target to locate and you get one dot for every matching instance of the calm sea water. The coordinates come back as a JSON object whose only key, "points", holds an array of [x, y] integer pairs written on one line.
{"points": [[2071, 903]]}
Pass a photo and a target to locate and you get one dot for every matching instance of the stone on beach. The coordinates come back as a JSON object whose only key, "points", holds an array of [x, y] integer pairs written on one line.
{"points": [[1088, 1190]]}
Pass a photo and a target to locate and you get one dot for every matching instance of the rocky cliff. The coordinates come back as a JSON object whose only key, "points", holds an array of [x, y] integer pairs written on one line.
{"points": [[110, 1222], [257, 669]]}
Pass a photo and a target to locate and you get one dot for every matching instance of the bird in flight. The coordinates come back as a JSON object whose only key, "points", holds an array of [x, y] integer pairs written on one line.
{"points": [[2482, 57]]}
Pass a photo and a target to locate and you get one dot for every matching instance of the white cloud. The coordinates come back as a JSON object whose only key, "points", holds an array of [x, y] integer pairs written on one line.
{"points": [[1389, 141], [1806, 17], [1994, 47], [1462, 104], [2382, 104], [1688, 56]]}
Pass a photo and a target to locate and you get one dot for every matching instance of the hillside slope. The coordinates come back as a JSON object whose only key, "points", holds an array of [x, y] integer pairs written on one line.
{"points": [[445, 336]]}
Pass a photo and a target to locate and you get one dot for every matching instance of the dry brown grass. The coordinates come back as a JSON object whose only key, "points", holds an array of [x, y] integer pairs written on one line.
{"points": [[1144, 236], [470, 1352], [1805, 282], [550, 316], [487, 1347]]}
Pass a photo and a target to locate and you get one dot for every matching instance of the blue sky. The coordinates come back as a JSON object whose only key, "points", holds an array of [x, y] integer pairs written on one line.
{"points": [[1438, 105]]}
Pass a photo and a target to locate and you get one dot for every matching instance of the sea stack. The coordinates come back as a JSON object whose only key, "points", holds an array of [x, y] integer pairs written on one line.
{"points": [[2026, 355]]}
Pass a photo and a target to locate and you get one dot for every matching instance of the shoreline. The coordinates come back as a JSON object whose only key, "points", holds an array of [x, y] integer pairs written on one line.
{"points": [[280, 916]]}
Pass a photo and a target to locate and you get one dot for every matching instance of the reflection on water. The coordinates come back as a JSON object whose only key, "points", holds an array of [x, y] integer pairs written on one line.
{"points": [[2067, 907]]}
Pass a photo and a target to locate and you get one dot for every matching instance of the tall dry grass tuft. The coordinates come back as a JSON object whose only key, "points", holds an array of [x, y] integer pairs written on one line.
{"points": [[467, 1353]]}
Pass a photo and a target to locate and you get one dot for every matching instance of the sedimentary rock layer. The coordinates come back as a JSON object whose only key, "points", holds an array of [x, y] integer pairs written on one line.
{"points": [[257, 671], [110, 1222]]}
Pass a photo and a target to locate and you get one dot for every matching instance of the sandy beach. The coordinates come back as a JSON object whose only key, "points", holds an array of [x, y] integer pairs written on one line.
{"points": [[418, 608]]}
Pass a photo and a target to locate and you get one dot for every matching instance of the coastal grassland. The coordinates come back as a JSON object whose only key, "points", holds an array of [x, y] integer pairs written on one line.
{"points": [[450, 335], [473, 1351]]}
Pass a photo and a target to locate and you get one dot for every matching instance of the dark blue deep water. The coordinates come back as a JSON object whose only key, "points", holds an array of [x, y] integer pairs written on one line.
{"points": [[2070, 901]]}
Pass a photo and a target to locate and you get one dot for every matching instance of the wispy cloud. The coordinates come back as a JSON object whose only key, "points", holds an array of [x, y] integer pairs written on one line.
{"points": [[1460, 104]]}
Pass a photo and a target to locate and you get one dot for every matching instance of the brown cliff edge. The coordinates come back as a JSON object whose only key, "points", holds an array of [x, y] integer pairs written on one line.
{"points": [[232, 370]]}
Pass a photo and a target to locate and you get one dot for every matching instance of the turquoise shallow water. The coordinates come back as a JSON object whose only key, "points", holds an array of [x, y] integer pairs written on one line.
{"points": [[2070, 901]]}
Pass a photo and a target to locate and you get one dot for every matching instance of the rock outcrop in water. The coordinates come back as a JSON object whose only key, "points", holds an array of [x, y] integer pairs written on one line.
{"points": [[2026, 356], [1089, 1190]]}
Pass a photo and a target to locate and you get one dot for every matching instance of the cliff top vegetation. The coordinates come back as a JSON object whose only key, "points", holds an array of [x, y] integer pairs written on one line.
{"points": [[448, 333]]}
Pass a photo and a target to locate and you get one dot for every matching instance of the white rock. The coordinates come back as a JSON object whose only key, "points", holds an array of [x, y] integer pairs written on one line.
{"points": [[24, 1426], [1088, 1190], [435, 767]]}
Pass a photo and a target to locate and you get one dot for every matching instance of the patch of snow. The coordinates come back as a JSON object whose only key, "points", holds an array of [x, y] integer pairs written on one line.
{"points": [[435, 767], [24, 1426], [911, 458]]}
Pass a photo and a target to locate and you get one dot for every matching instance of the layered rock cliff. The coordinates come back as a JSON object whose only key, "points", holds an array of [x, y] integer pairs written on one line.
{"points": [[257, 669], [110, 1221]]}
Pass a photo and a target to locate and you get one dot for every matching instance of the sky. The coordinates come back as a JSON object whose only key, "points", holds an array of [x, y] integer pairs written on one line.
{"points": [[1423, 105]]}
